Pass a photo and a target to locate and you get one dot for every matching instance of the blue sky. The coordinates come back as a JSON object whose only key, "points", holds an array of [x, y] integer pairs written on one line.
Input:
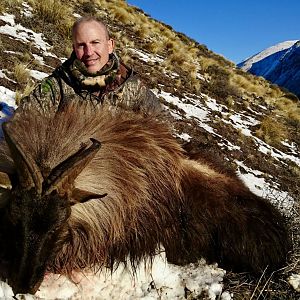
{"points": [[235, 29]]}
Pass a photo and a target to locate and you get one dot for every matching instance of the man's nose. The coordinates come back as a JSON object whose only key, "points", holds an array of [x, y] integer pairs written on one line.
{"points": [[88, 50]]}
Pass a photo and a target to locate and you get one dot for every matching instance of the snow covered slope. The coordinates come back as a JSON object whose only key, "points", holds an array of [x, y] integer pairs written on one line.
{"points": [[279, 64]]}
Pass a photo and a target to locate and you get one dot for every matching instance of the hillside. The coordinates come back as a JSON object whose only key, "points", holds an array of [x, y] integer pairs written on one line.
{"points": [[278, 64], [214, 107]]}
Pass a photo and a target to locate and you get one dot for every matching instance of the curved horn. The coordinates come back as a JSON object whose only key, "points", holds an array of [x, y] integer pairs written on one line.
{"points": [[28, 171], [69, 169]]}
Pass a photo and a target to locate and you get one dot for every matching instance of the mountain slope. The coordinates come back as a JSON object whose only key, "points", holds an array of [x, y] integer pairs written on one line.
{"points": [[279, 64], [251, 125]]}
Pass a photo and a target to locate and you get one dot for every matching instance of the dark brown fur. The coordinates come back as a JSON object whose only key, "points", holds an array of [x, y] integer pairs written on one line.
{"points": [[155, 195]]}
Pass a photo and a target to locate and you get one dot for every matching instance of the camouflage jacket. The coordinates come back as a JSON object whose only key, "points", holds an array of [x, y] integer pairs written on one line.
{"points": [[128, 92]]}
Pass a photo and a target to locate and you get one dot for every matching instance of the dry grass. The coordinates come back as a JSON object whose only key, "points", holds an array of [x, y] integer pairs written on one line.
{"points": [[52, 11], [206, 62], [153, 47], [123, 15], [21, 93], [21, 74], [2, 7], [272, 131], [55, 12], [290, 110]]}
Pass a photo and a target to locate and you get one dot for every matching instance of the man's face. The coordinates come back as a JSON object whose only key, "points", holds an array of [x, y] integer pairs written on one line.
{"points": [[91, 45]]}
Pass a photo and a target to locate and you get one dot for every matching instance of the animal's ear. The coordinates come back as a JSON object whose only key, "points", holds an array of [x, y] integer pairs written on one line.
{"points": [[67, 171], [81, 196], [5, 187], [28, 172]]}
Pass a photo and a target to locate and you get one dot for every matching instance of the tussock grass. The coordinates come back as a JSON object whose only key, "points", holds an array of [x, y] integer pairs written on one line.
{"points": [[123, 15], [2, 7], [21, 93], [52, 11], [206, 62], [21, 73], [55, 12], [153, 47], [243, 83], [4, 4], [290, 110], [272, 131]]}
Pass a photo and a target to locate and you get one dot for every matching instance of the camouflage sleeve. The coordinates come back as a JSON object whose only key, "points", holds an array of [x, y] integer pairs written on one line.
{"points": [[45, 97], [138, 97]]}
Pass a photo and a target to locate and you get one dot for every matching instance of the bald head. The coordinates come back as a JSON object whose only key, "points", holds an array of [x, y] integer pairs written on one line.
{"points": [[89, 19]]}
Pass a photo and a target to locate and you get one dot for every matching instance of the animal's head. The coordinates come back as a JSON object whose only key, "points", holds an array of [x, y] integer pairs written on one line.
{"points": [[35, 209]]}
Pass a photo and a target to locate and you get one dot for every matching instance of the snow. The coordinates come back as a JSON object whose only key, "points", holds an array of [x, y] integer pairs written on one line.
{"points": [[184, 136], [146, 56], [27, 12], [7, 96], [294, 281], [38, 75], [18, 32], [163, 281], [247, 63]]}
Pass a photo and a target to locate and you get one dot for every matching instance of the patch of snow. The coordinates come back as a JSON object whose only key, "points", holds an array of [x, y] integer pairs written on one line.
{"points": [[38, 75], [172, 75], [39, 59], [277, 154], [184, 136], [163, 281], [213, 105], [190, 109], [228, 145], [241, 122], [18, 32], [254, 180], [226, 296], [3, 75], [76, 15], [7, 96], [146, 56], [27, 12], [293, 147], [294, 281], [200, 77]]}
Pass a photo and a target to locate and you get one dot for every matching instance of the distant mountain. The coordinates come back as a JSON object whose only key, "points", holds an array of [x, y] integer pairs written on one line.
{"points": [[279, 64]]}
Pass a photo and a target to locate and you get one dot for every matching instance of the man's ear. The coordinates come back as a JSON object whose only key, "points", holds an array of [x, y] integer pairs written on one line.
{"points": [[111, 45]]}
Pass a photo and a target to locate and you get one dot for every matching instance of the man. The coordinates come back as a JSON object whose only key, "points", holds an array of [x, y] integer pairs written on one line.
{"points": [[95, 73]]}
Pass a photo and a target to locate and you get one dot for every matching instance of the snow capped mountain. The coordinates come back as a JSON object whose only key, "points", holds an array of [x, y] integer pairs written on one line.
{"points": [[279, 64]]}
